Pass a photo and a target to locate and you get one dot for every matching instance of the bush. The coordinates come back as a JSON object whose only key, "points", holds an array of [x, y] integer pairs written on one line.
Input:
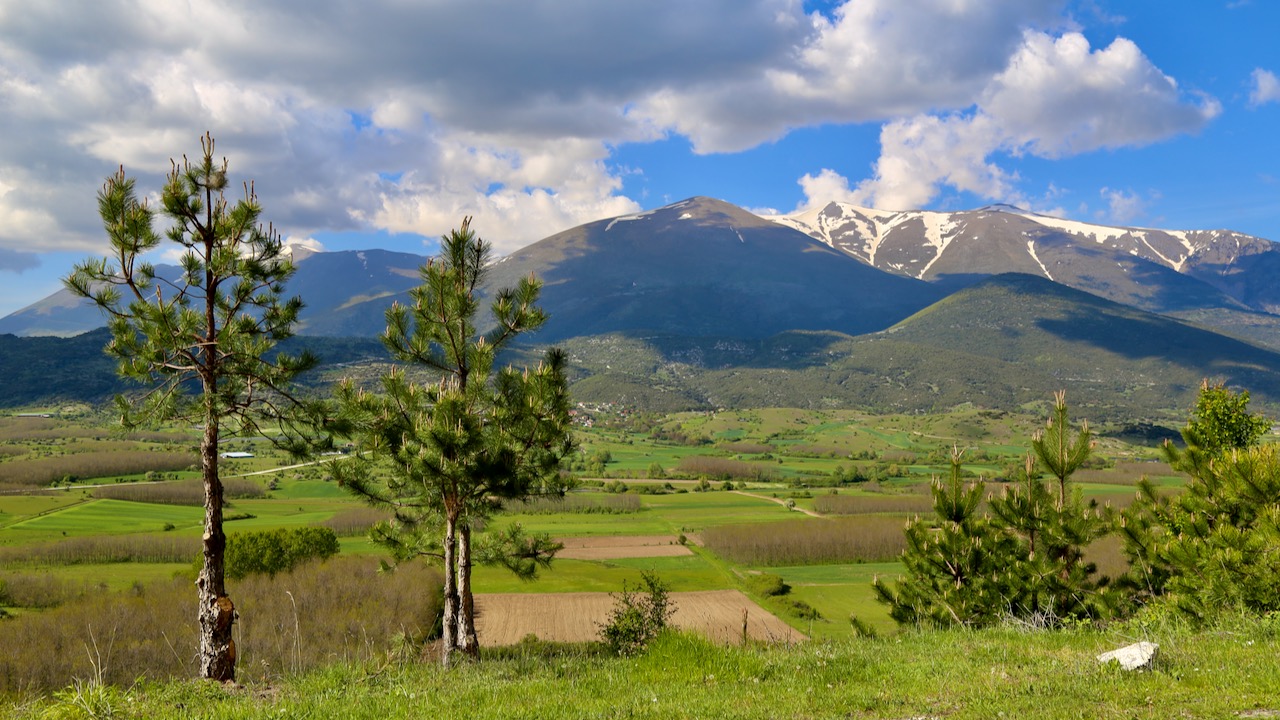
{"points": [[273, 551], [637, 616], [768, 585]]}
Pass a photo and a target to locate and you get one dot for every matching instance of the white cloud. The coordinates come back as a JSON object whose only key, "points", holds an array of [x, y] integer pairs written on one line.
{"points": [[407, 116], [1123, 207], [874, 60], [1266, 87], [1060, 97], [304, 243], [1057, 97], [516, 197]]}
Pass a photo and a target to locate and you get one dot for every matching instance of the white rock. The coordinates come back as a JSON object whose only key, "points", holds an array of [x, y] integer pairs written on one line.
{"points": [[1137, 656]]}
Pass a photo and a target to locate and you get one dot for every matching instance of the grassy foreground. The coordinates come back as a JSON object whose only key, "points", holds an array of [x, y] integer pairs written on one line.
{"points": [[1228, 671]]}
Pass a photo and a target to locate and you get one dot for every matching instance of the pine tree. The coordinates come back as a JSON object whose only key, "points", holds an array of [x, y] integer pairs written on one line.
{"points": [[214, 327], [1025, 561], [1216, 545], [954, 561], [1049, 577], [445, 455]]}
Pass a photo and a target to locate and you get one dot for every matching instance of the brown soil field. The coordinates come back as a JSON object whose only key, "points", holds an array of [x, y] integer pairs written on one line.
{"points": [[506, 618], [613, 547]]}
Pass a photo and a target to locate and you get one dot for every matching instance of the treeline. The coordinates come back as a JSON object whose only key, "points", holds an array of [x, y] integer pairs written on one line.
{"points": [[605, 504], [103, 549], [182, 492], [41, 472], [869, 538]]}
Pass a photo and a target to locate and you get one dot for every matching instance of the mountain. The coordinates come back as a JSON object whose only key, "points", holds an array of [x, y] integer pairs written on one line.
{"points": [[1006, 342], [1158, 270], [346, 294], [705, 268]]}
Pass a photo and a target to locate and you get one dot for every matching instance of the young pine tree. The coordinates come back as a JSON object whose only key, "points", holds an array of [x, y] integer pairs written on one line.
{"points": [[214, 327], [1216, 545], [1025, 561], [954, 562], [1048, 578], [445, 455]]}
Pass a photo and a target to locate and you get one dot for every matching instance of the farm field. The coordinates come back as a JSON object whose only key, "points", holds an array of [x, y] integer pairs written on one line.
{"points": [[506, 619], [829, 492]]}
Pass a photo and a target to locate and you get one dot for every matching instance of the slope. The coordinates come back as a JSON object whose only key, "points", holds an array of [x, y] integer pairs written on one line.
{"points": [[701, 268]]}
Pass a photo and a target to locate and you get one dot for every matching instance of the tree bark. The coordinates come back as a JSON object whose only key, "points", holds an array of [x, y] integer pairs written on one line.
{"points": [[468, 641], [451, 606], [217, 612]]}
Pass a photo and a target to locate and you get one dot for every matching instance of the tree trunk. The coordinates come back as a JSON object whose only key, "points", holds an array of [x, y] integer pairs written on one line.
{"points": [[217, 612], [468, 641], [450, 625]]}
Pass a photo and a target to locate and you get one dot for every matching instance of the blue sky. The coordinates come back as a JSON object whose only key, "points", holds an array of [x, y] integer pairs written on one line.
{"points": [[382, 123]]}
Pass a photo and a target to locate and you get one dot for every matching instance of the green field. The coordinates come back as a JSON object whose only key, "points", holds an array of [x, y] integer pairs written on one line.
{"points": [[803, 452]]}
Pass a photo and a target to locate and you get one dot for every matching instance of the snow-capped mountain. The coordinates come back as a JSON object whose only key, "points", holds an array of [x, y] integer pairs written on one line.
{"points": [[1161, 270]]}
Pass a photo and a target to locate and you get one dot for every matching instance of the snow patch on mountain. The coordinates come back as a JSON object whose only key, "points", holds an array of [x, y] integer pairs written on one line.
{"points": [[1031, 250], [627, 218]]}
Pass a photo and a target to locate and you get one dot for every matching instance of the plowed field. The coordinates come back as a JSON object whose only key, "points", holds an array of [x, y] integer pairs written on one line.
{"points": [[614, 547], [506, 618]]}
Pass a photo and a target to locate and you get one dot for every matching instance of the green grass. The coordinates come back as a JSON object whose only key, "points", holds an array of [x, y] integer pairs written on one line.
{"points": [[838, 591], [122, 576], [681, 574], [105, 517], [1226, 672]]}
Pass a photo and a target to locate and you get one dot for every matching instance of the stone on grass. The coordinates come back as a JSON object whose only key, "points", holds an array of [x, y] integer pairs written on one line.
{"points": [[1138, 656]]}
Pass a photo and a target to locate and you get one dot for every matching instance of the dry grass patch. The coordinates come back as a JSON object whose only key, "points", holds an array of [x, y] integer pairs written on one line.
{"points": [[507, 618]]}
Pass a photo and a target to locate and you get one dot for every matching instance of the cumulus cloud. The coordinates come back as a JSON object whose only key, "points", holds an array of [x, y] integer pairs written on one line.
{"points": [[1265, 87], [392, 115], [873, 60], [1123, 206], [1057, 97], [407, 116]]}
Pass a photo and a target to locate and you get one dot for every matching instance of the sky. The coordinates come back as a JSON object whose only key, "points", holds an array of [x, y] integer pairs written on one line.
{"points": [[382, 123]]}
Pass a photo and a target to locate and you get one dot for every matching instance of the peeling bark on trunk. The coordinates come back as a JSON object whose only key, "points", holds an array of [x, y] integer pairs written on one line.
{"points": [[217, 612]]}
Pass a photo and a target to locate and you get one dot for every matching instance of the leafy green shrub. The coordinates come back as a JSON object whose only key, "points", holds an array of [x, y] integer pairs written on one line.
{"points": [[768, 585], [273, 551], [637, 616], [801, 609]]}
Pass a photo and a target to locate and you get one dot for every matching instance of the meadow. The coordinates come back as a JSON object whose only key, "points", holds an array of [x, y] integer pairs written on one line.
{"points": [[811, 500]]}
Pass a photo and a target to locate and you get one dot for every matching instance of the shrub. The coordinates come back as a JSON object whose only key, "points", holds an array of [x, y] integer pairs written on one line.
{"points": [[101, 549], [184, 492], [870, 505], [274, 551], [768, 585], [98, 464], [637, 616]]}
